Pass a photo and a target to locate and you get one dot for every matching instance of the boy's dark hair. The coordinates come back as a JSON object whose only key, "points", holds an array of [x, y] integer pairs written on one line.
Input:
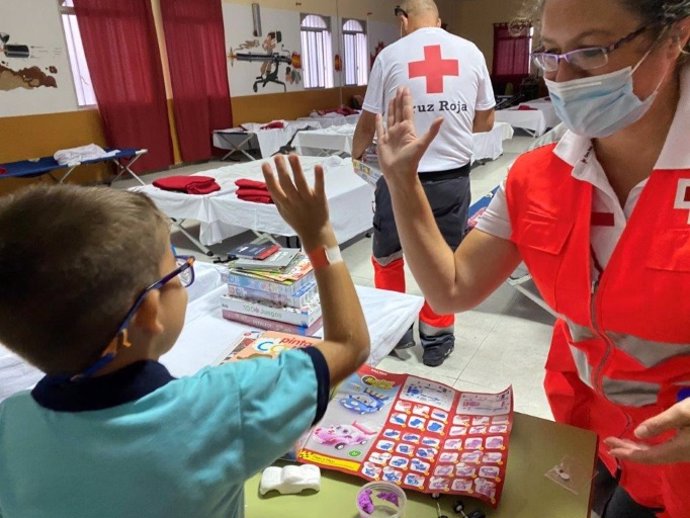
{"points": [[72, 261]]}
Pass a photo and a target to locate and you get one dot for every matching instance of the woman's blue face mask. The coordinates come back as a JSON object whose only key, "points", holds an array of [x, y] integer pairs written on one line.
{"points": [[599, 106]]}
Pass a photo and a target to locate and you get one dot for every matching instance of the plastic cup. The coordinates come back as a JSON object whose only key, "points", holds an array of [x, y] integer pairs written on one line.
{"points": [[381, 500]]}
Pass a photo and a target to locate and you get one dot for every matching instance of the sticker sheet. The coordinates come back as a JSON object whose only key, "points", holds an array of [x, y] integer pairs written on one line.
{"points": [[414, 432]]}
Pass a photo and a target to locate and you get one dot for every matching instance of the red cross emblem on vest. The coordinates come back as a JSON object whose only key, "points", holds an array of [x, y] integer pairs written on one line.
{"points": [[434, 68], [683, 196]]}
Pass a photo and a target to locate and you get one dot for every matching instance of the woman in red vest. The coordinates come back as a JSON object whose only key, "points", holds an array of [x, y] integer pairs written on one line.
{"points": [[602, 221]]}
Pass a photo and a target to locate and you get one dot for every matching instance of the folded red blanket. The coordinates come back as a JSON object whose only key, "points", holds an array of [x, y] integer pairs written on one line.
{"points": [[189, 184], [273, 125], [248, 191], [342, 110], [257, 199], [524, 107], [254, 184]]}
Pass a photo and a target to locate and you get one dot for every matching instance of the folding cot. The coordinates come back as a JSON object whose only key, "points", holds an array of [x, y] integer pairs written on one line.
{"points": [[535, 116], [221, 214], [251, 136], [123, 160]]}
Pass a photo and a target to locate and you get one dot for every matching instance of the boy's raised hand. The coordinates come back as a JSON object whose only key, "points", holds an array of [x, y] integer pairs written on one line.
{"points": [[345, 343], [303, 207]]}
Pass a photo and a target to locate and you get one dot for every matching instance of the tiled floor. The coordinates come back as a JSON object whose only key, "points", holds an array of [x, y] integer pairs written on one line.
{"points": [[503, 341]]}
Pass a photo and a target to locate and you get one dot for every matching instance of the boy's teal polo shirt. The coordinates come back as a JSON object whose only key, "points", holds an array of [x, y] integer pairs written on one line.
{"points": [[139, 443]]}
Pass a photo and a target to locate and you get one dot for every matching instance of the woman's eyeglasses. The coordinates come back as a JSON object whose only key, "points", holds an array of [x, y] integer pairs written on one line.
{"points": [[585, 59]]}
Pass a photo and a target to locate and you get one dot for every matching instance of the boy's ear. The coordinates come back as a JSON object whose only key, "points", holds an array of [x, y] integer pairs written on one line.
{"points": [[147, 317], [680, 32]]}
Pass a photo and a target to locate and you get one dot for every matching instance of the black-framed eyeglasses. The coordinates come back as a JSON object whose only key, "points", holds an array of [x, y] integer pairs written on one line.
{"points": [[399, 11], [587, 58], [184, 270]]}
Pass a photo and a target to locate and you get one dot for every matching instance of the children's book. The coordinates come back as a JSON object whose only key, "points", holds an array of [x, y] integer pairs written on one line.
{"points": [[299, 268], [280, 259], [301, 296], [257, 251], [367, 172], [256, 344], [419, 434], [303, 316], [272, 325], [243, 279]]}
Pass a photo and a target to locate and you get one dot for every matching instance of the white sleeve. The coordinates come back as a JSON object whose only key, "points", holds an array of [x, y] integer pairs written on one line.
{"points": [[495, 219], [373, 99], [485, 93]]}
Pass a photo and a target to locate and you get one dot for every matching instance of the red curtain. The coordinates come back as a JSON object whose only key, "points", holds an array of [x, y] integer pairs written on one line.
{"points": [[511, 54], [195, 42], [121, 49]]}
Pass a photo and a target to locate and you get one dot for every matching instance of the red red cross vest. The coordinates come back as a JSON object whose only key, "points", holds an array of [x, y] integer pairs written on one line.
{"points": [[621, 351]]}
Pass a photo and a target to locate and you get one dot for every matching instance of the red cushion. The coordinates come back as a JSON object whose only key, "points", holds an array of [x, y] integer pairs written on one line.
{"points": [[193, 184], [257, 199], [524, 107], [274, 125], [253, 184], [248, 191]]}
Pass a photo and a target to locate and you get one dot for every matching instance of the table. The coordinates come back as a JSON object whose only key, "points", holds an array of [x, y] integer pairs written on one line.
{"points": [[536, 445], [488, 145], [206, 335], [325, 140], [221, 214], [535, 121]]}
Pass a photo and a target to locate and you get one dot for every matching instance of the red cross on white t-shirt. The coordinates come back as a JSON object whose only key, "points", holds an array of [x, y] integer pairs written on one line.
{"points": [[434, 68]]}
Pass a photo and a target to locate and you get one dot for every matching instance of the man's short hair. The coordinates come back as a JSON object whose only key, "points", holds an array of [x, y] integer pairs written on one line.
{"points": [[72, 261], [420, 8]]}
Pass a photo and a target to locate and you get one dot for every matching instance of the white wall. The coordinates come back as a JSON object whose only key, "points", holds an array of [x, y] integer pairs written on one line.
{"points": [[35, 23], [237, 18]]}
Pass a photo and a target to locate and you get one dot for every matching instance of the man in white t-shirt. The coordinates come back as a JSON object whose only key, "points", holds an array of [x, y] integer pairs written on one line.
{"points": [[448, 78]]}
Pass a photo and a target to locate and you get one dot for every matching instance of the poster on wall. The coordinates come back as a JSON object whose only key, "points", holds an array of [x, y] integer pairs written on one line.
{"points": [[269, 62], [35, 76]]}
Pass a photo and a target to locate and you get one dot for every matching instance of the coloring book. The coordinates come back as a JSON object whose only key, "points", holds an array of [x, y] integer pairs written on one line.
{"points": [[255, 344]]}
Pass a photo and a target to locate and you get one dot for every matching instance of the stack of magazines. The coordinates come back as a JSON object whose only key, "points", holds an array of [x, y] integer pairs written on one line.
{"points": [[279, 294]]}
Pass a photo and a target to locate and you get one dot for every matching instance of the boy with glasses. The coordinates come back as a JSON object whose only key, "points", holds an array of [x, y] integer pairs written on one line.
{"points": [[93, 296]]}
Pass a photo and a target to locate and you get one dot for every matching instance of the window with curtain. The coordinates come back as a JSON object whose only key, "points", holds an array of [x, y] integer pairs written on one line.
{"points": [[195, 41], [77, 59], [121, 49], [511, 50], [355, 53], [317, 51]]}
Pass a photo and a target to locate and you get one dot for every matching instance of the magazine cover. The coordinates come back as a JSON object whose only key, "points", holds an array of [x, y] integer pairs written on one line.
{"points": [[367, 172], [255, 344], [414, 432], [256, 251]]}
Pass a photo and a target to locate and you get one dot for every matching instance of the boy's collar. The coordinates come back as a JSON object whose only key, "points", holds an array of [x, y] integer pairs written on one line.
{"points": [[98, 393]]}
